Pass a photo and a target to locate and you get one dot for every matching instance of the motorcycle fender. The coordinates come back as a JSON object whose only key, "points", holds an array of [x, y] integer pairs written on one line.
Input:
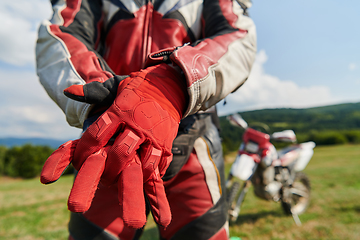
{"points": [[306, 153], [243, 167]]}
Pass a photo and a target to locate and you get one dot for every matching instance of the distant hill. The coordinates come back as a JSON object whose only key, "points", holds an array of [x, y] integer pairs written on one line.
{"points": [[10, 142], [341, 117], [334, 117]]}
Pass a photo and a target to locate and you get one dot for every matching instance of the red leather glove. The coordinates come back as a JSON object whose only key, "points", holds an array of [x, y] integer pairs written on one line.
{"points": [[144, 118]]}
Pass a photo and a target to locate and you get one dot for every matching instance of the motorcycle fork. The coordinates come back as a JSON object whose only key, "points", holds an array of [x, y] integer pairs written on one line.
{"points": [[245, 188], [287, 179]]}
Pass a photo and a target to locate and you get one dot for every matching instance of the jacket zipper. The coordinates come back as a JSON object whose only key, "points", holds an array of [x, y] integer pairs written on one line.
{"points": [[147, 31]]}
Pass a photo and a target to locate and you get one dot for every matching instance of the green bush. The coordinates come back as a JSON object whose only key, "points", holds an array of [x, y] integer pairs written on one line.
{"points": [[25, 161], [328, 138], [353, 136], [229, 145], [3, 150]]}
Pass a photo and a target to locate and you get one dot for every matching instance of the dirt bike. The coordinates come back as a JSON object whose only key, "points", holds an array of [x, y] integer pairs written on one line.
{"points": [[275, 174]]}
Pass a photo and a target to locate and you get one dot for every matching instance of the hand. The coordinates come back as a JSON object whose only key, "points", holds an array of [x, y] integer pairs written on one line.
{"points": [[144, 119]]}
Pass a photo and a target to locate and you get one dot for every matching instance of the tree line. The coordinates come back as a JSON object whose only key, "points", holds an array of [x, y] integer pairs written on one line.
{"points": [[24, 161], [336, 124]]}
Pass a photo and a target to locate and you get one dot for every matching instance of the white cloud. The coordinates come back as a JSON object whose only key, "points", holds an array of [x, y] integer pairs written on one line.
{"points": [[27, 111], [25, 108], [352, 66], [18, 30], [265, 91]]}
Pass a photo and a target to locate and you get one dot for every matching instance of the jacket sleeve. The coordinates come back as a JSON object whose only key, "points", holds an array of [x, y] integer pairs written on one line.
{"points": [[65, 53], [219, 63]]}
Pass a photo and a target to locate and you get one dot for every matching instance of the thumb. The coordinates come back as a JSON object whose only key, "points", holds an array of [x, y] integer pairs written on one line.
{"points": [[95, 92]]}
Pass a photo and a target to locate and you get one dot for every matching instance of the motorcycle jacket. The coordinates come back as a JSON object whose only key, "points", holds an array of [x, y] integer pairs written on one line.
{"points": [[213, 42]]}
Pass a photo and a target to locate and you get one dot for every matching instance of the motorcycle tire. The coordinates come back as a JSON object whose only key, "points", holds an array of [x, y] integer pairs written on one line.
{"points": [[233, 192], [299, 198]]}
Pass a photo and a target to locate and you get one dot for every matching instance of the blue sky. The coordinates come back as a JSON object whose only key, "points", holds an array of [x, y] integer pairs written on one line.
{"points": [[312, 44], [308, 55], [311, 41]]}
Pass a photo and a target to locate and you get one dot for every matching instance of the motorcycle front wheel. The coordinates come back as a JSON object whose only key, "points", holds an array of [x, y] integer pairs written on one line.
{"points": [[295, 198], [232, 193], [235, 198]]}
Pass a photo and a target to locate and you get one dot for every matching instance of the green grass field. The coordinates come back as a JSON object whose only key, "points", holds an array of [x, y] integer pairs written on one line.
{"points": [[30, 210]]}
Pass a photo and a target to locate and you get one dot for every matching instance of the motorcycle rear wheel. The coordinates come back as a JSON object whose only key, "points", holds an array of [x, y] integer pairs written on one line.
{"points": [[297, 198]]}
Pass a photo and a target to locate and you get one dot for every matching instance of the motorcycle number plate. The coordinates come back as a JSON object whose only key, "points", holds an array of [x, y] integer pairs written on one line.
{"points": [[243, 167]]}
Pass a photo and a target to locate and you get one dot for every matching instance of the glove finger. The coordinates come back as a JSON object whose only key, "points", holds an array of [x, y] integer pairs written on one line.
{"points": [[155, 192], [75, 92], [151, 159], [112, 85], [164, 164], [123, 151], [57, 162], [131, 195], [95, 92], [96, 136], [86, 182]]}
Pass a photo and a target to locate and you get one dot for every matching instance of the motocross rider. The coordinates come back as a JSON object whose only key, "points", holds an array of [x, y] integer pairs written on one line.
{"points": [[142, 78]]}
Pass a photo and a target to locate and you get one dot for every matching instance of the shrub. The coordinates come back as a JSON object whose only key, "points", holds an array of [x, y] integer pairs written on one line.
{"points": [[229, 145], [328, 138], [26, 161], [3, 150], [353, 136]]}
